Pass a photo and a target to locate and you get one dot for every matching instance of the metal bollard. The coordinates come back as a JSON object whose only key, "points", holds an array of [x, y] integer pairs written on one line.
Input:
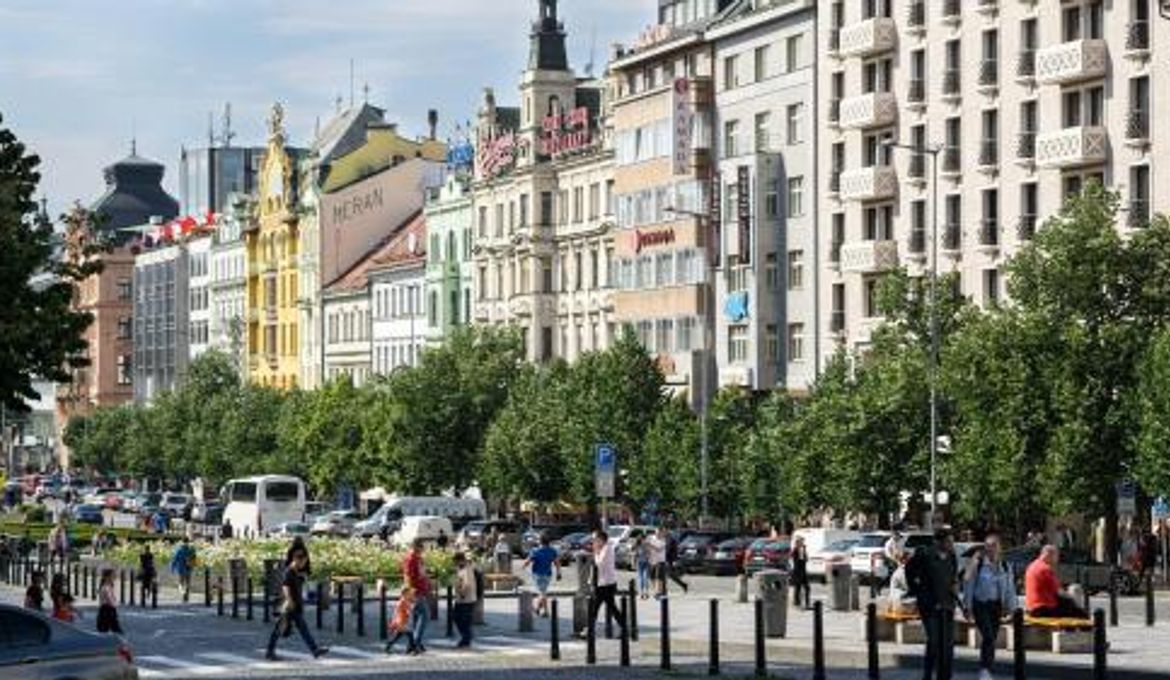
{"points": [[554, 651], [1020, 655], [133, 581], [450, 612], [265, 602], [145, 589], [320, 600], [340, 607], [85, 583], [75, 576], [761, 656], [664, 629], [591, 635], [206, 586], [632, 622], [713, 638], [1100, 646], [219, 596], [1113, 604], [1151, 615], [871, 643], [248, 602], [818, 640], [235, 597], [382, 632], [361, 609], [624, 641], [608, 621], [121, 587], [154, 595]]}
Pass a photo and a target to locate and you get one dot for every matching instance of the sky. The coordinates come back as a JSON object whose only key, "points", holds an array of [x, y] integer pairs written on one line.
{"points": [[80, 78]]}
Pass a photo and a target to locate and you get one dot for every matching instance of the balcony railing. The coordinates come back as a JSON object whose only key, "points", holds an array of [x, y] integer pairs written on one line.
{"points": [[1137, 126], [989, 233], [952, 237], [989, 73], [834, 110], [874, 109], [869, 184], [952, 82], [869, 257], [763, 141], [869, 36], [1026, 64], [917, 16], [1137, 36], [837, 321], [1072, 61], [917, 165], [1026, 146], [1026, 229], [917, 91], [917, 241], [1139, 213], [1072, 147], [952, 10], [952, 160], [989, 153]]}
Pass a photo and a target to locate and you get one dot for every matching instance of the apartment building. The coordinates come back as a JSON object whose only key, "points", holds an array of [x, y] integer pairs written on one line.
{"points": [[450, 220], [162, 329], [227, 287], [1024, 101], [397, 276], [199, 292]]}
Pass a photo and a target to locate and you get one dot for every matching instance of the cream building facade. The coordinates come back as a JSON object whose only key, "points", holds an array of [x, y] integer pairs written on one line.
{"points": [[227, 287], [1026, 102]]}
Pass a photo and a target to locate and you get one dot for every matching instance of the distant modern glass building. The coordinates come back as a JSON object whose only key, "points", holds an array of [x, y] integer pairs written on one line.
{"points": [[208, 177]]}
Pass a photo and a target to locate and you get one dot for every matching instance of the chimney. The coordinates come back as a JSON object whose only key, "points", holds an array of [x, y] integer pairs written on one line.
{"points": [[432, 121]]}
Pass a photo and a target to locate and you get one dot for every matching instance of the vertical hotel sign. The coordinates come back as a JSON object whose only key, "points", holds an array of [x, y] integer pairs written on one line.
{"points": [[743, 203], [715, 219], [682, 114]]}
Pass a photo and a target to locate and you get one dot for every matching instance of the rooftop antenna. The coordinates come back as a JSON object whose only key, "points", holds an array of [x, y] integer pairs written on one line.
{"points": [[210, 129], [228, 135], [133, 137], [592, 50], [366, 93], [351, 82]]}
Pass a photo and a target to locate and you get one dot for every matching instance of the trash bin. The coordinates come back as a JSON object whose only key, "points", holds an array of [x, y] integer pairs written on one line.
{"points": [[772, 588], [584, 574], [503, 562], [839, 580]]}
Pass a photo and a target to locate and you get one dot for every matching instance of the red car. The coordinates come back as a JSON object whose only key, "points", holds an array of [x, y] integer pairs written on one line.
{"points": [[768, 553]]}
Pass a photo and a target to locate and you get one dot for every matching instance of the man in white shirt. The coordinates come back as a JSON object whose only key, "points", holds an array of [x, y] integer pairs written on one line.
{"points": [[607, 578], [656, 558]]}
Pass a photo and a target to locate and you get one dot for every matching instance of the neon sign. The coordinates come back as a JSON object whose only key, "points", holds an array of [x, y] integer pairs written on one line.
{"points": [[566, 133], [497, 154], [660, 237]]}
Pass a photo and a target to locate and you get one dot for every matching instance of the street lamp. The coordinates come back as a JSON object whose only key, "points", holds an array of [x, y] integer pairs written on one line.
{"points": [[707, 329], [932, 303]]}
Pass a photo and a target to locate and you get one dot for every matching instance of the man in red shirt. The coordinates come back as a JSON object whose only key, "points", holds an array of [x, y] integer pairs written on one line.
{"points": [[1042, 595], [414, 575]]}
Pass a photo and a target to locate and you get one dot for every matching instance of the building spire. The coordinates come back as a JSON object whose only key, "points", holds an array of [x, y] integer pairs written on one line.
{"points": [[547, 51]]}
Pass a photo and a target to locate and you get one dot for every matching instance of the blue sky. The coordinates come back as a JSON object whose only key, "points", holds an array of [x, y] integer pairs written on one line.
{"points": [[79, 77]]}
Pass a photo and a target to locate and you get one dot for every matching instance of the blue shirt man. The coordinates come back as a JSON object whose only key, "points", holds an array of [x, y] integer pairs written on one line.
{"points": [[543, 560]]}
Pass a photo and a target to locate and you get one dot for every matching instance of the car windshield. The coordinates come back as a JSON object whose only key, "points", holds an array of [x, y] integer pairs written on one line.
{"points": [[732, 544], [616, 530], [872, 541], [840, 546]]}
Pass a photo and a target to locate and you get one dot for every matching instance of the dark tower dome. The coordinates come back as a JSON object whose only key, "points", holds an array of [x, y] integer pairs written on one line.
{"points": [[134, 194], [547, 52]]}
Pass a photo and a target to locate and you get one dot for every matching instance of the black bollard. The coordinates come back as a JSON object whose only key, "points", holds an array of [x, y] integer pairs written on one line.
{"points": [[219, 596], [145, 589], [1113, 604], [1100, 646], [85, 583], [1085, 604], [591, 635], [554, 651], [608, 622], [818, 640], [73, 575], [713, 638], [235, 597], [1150, 613], [761, 657], [265, 602], [340, 607], [320, 601], [450, 612], [121, 587], [154, 595], [1020, 657], [248, 602], [382, 632], [624, 641], [632, 622], [664, 629], [871, 643], [206, 586], [133, 585], [361, 609]]}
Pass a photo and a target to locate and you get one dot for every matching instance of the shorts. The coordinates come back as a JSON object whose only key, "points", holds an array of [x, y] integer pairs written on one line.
{"points": [[542, 582]]}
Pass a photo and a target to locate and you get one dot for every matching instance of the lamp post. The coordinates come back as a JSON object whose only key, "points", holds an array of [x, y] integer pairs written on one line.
{"points": [[704, 453], [932, 303]]}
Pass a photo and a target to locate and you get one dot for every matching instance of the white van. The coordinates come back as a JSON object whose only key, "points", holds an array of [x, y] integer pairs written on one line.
{"points": [[394, 510], [427, 529], [815, 540], [254, 505]]}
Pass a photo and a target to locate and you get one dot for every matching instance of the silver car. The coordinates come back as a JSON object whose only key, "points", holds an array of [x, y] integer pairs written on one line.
{"points": [[35, 647]]}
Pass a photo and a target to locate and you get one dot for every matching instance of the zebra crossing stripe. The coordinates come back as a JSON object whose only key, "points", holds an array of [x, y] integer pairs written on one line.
{"points": [[167, 661]]}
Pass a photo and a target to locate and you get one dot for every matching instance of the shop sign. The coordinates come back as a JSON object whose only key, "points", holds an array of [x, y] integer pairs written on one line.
{"points": [[658, 237], [683, 132], [566, 133], [743, 197], [498, 154], [715, 217], [357, 205]]}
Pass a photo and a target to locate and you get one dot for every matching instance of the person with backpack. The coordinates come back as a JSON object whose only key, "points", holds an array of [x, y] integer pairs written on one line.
{"points": [[989, 593], [932, 579]]}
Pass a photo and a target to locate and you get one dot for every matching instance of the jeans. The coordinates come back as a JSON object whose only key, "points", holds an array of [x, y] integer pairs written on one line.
{"points": [[987, 617], [939, 625], [643, 577], [462, 617], [419, 617], [293, 618]]}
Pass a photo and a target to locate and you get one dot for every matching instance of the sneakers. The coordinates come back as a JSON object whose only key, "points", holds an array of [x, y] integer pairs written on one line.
{"points": [[320, 652]]}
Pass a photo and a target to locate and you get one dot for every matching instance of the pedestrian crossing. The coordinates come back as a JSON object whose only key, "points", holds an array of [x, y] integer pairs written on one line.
{"points": [[230, 663]]}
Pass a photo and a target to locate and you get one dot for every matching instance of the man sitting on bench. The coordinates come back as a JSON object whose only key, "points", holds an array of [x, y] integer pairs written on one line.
{"points": [[1042, 595]]}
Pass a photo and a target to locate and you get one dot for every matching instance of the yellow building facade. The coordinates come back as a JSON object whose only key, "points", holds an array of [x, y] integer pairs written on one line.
{"points": [[272, 251], [383, 148]]}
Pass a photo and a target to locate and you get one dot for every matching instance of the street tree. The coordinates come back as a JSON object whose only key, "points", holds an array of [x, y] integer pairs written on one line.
{"points": [[665, 478], [1153, 413]]}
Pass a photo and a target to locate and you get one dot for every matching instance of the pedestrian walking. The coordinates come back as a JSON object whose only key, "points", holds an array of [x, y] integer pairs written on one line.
{"points": [[1149, 554], [182, 565], [543, 562], [225, 530], [893, 554], [1042, 592], [34, 595], [932, 579], [292, 610], [465, 598], [107, 615], [146, 569], [655, 560], [989, 594], [443, 540], [399, 625], [800, 582], [298, 545], [606, 569], [59, 541], [641, 556], [414, 573], [669, 569]]}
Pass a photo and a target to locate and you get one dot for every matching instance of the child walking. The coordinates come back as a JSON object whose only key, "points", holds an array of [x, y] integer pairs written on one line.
{"points": [[400, 624], [107, 616]]}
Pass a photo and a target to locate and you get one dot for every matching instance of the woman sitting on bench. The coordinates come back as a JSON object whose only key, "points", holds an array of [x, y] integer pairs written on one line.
{"points": [[1042, 594]]}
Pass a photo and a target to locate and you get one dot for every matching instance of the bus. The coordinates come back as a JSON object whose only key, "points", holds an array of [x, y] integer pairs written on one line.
{"points": [[254, 505]]}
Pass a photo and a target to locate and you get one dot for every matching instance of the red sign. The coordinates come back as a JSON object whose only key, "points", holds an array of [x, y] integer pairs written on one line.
{"points": [[658, 237], [497, 154], [566, 133]]}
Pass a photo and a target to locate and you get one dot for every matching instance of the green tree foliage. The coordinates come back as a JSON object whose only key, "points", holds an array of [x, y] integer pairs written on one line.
{"points": [[322, 430], [40, 335], [1153, 408], [730, 421], [667, 472]]}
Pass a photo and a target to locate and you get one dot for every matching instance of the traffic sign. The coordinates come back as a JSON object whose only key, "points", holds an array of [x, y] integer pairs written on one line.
{"points": [[1126, 497], [1160, 510], [605, 469]]}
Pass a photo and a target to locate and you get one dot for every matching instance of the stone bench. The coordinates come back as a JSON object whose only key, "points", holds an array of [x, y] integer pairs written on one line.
{"points": [[896, 627], [501, 582], [1059, 636]]}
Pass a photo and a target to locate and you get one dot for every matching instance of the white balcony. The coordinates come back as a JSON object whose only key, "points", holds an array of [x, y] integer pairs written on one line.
{"points": [[869, 110], [1072, 147], [867, 37], [869, 184], [1071, 62], [869, 257]]}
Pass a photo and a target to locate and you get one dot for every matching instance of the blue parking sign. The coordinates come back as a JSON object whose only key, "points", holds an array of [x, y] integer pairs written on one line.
{"points": [[605, 469]]}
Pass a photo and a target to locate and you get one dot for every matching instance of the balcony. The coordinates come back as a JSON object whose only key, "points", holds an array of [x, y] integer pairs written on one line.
{"points": [[916, 19], [1072, 62], [1026, 147], [1026, 228], [988, 7], [952, 12], [989, 75], [1072, 147], [869, 257], [1026, 67], [1137, 40], [952, 240], [916, 94], [1138, 214], [869, 184], [917, 242], [864, 38], [1137, 129], [837, 321], [989, 235], [989, 155], [868, 110], [952, 85]]}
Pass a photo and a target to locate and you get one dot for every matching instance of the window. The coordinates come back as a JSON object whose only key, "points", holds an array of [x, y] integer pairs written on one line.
{"points": [[664, 336], [771, 272], [795, 269], [594, 200], [792, 52], [870, 289], [523, 211], [879, 223], [730, 72], [737, 345], [918, 226], [989, 231], [593, 269], [577, 271], [125, 289], [762, 60], [763, 125], [578, 204], [481, 288], [990, 287], [771, 343], [795, 196], [124, 366], [795, 123], [1139, 195], [730, 132], [795, 342], [499, 220], [125, 328], [433, 309]]}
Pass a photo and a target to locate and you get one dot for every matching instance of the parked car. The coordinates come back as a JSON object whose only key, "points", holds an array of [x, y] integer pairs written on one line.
{"points": [[626, 536], [727, 558], [33, 646], [476, 535], [149, 504], [107, 497], [555, 532], [837, 552], [426, 529], [334, 523], [767, 553], [290, 530], [88, 513], [816, 538], [866, 558], [577, 543], [695, 548], [176, 505], [207, 512]]}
